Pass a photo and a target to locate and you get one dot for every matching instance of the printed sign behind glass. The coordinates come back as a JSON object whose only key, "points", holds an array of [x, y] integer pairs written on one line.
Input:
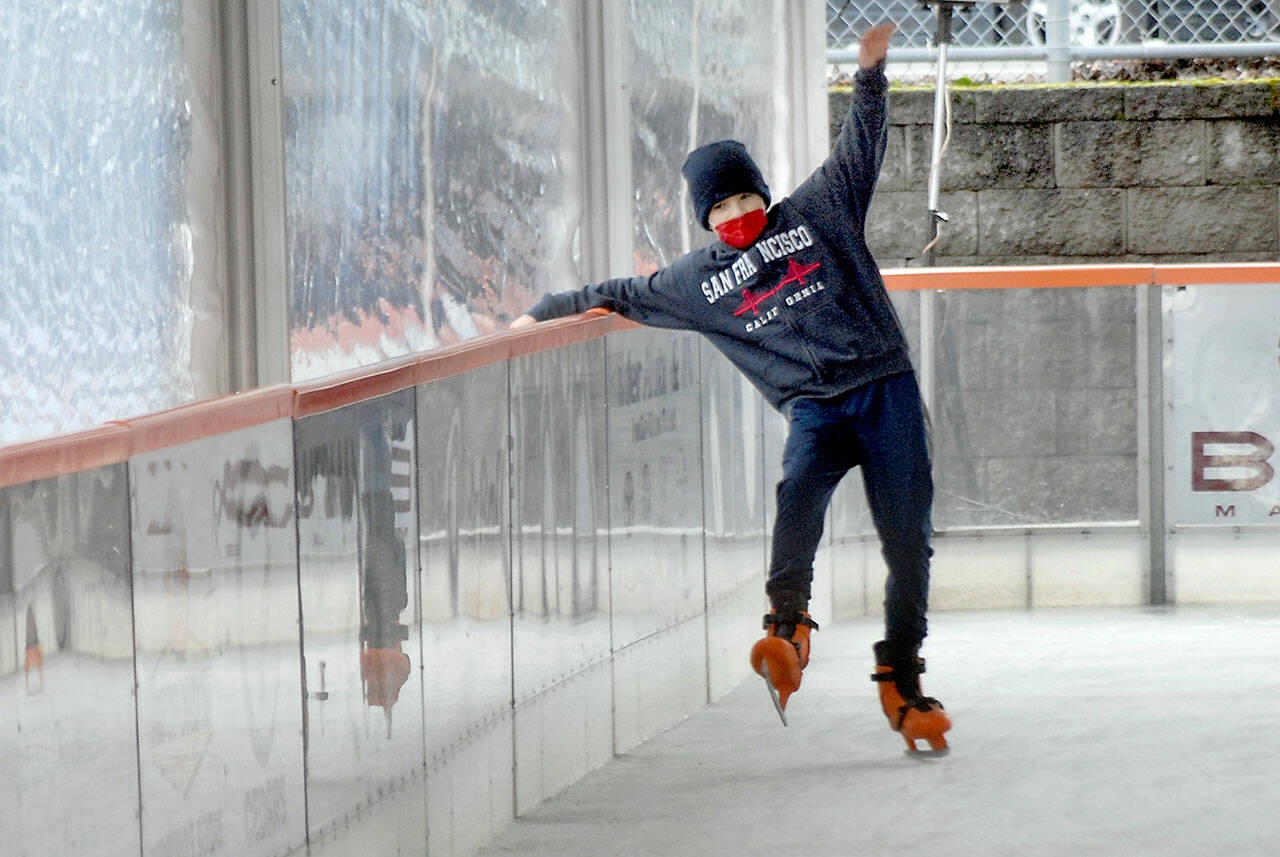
{"points": [[1223, 384]]}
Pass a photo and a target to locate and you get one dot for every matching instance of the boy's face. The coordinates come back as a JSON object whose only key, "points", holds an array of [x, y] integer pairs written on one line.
{"points": [[733, 207]]}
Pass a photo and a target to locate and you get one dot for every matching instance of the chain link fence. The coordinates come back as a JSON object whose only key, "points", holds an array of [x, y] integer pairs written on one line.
{"points": [[1006, 42]]}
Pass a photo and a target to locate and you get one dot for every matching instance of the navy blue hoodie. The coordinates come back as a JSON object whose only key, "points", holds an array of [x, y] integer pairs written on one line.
{"points": [[803, 311]]}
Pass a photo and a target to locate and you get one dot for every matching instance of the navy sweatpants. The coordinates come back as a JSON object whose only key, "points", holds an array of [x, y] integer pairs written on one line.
{"points": [[880, 427]]}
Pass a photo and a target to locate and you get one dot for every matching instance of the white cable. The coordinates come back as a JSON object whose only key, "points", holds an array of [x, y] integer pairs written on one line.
{"points": [[936, 167]]}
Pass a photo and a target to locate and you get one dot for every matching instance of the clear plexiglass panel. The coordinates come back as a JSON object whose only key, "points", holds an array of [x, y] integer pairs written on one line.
{"points": [[465, 554], [1035, 407], [66, 667], [215, 577], [560, 553], [362, 651]]}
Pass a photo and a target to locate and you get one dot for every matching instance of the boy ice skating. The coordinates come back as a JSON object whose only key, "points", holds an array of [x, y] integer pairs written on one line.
{"points": [[792, 297]]}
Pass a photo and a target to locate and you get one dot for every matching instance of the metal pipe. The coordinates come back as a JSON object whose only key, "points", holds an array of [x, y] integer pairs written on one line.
{"points": [[269, 200], [942, 16], [928, 334], [1144, 50], [1057, 40], [1151, 383], [1154, 50]]}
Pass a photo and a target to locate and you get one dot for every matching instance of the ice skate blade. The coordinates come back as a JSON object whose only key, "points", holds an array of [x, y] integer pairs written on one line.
{"points": [[773, 694], [925, 755], [936, 749]]}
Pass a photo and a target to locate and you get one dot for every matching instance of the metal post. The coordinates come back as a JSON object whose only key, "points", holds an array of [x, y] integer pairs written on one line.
{"points": [[270, 243], [615, 140], [942, 12], [241, 330], [941, 39], [1152, 326], [1057, 39]]}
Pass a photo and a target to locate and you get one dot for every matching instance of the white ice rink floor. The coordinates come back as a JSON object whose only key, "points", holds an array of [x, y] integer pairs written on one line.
{"points": [[1076, 732]]}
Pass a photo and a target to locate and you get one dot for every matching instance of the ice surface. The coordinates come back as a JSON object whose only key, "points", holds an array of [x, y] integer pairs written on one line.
{"points": [[1099, 732]]}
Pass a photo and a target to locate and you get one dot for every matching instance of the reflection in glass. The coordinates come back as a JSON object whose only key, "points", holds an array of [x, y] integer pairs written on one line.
{"points": [[66, 665], [720, 54], [356, 530], [466, 570], [734, 492], [560, 584], [656, 519], [216, 607], [735, 487], [427, 150]]}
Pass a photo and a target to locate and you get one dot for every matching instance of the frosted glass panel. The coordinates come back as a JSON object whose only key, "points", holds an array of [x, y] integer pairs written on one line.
{"points": [[96, 255], [702, 70], [427, 148]]}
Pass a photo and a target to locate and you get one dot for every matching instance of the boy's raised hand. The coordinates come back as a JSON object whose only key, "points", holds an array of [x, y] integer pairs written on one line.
{"points": [[874, 45]]}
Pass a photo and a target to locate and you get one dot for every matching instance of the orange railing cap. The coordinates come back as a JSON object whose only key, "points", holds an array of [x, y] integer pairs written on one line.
{"points": [[1078, 276], [357, 385], [199, 420], [62, 454]]}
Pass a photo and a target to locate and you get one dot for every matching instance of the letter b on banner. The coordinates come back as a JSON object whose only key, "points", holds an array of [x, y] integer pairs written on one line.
{"points": [[1254, 462]]}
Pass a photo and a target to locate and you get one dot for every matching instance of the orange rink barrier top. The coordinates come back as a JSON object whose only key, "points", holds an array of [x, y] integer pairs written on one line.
{"points": [[117, 441]]}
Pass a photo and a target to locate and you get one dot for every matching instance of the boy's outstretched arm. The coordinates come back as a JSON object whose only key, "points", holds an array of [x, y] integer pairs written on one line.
{"points": [[842, 186], [653, 300]]}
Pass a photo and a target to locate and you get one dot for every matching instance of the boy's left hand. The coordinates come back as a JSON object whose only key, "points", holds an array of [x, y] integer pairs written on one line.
{"points": [[873, 47]]}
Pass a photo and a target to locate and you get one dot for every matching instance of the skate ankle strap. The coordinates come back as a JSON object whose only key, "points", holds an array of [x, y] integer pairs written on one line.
{"points": [[890, 674], [785, 618]]}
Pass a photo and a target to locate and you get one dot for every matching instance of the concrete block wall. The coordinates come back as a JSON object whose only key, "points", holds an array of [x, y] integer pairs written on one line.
{"points": [[1084, 174]]}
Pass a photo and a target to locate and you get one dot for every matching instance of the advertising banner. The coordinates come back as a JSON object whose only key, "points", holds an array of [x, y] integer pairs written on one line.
{"points": [[1222, 386]]}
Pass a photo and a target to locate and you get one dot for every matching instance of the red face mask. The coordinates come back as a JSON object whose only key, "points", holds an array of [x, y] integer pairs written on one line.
{"points": [[742, 232]]}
